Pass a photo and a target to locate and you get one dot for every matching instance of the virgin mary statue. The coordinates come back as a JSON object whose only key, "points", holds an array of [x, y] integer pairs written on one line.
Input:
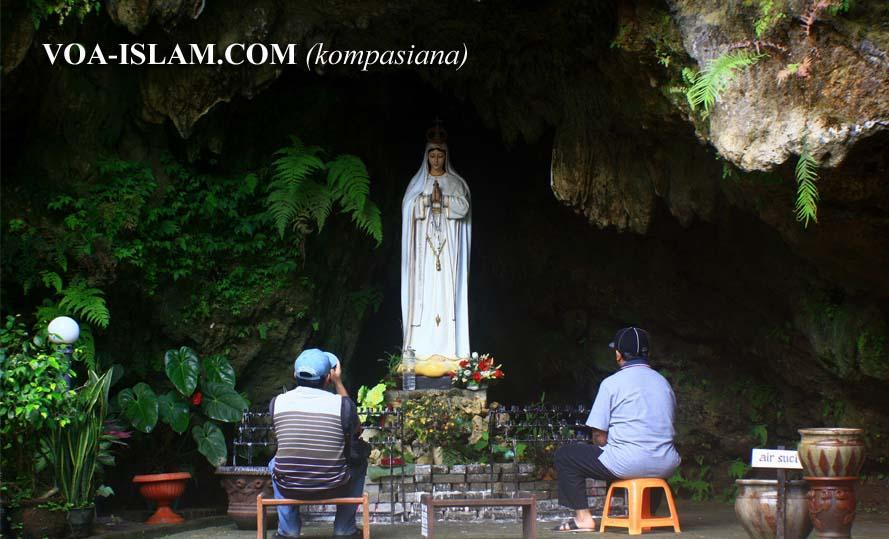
{"points": [[435, 233]]}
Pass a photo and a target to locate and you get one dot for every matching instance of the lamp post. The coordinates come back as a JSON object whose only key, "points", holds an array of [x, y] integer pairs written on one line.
{"points": [[64, 330]]}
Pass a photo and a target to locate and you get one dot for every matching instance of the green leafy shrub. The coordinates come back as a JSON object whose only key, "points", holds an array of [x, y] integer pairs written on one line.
{"points": [[696, 485], [207, 385], [806, 188], [75, 449], [42, 10], [34, 399], [215, 239], [706, 85], [300, 196]]}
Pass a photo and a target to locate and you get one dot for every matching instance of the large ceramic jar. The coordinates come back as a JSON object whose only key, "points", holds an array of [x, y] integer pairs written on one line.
{"points": [[831, 452], [242, 484], [756, 508]]}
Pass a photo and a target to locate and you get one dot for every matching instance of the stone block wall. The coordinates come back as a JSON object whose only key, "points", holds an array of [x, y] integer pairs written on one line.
{"points": [[396, 497]]}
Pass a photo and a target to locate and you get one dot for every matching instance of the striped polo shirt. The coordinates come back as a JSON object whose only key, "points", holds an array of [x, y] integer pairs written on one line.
{"points": [[311, 452]]}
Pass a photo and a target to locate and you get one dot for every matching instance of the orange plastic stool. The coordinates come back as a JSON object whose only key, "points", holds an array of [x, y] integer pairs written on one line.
{"points": [[639, 517]]}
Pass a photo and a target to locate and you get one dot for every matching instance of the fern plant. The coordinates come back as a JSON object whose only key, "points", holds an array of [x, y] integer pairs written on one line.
{"points": [[301, 197], [806, 189], [80, 300], [706, 85]]}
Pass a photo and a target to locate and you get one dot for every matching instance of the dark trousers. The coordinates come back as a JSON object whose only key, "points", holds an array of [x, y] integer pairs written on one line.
{"points": [[577, 462], [574, 464]]}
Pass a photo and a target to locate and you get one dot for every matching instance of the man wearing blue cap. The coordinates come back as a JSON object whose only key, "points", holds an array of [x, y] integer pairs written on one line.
{"points": [[319, 453], [632, 431]]}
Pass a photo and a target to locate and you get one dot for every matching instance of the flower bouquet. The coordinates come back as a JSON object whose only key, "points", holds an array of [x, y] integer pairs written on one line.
{"points": [[474, 373]]}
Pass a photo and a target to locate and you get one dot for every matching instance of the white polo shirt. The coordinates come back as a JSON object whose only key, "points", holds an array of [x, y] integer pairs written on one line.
{"points": [[636, 406]]}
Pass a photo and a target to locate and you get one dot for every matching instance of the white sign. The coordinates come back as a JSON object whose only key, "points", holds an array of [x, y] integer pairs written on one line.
{"points": [[424, 521], [775, 458]]}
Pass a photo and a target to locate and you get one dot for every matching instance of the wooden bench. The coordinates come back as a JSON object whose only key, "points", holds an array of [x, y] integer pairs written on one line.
{"points": [[528, 505], [262, 503]]}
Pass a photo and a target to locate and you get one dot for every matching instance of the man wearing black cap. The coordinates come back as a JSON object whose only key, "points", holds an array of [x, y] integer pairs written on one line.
{"points": [[632, 422], [319, 454]]}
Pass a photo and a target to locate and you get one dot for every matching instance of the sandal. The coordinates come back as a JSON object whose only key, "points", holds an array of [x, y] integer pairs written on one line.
{"points": [[570, 526]]}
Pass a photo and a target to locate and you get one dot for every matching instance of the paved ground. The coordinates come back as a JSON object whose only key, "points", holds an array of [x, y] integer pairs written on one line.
{"points": [[699, 520]]}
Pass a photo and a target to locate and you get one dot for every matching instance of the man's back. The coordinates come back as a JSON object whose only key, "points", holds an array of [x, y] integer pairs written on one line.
{"points": [[636, 406], [309, 427]]}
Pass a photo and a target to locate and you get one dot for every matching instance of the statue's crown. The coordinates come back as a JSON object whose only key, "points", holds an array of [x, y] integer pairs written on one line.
{"points": [[437, 134]]}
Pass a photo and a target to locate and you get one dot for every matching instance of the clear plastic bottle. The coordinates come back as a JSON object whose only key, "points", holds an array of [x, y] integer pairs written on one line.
{"points": [[408, 375]]}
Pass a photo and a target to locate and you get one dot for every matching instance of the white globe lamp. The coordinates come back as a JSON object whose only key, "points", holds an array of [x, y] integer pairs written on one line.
{"points": [[63, 330]]}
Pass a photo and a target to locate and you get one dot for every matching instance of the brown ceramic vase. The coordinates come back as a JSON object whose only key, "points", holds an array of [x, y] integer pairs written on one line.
{"points": [[162, 489], [756, 508], [832, 506], [831, 452], [242, 484]]}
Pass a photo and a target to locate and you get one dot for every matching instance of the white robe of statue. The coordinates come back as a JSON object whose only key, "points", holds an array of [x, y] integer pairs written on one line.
{"points": [[435, 263]]}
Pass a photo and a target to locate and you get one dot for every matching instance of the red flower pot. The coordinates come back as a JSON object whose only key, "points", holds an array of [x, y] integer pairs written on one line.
{"points": [[391, 462], [162, 489]]}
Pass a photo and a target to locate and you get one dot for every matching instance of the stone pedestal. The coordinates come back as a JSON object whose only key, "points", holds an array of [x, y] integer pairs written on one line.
{"points": [[478, 398], [832, 506]]}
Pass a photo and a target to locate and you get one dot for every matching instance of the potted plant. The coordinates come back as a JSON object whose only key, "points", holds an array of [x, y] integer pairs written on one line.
{"points": [[203, 395], [34, 400], [392, 457], [75, 451], [437, 427], [475, 373]]}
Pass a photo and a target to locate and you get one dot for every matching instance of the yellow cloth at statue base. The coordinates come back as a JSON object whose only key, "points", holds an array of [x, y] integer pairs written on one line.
{"points": [[435, 366]]}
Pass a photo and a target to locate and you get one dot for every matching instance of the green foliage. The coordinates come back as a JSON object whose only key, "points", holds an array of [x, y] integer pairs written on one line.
{"points": [[653, 31], [218, 369], [834, 411], [806, 190], [434, 421], [215, 239], [300, 198], [75, 448], [87, 303], [758, 399], [207, 384], [713, 79], [209, 236], [369, 297], [840, 6], [768, 16], [211, 442], [392, 376], [174, 411], [34, 398], [738, 469], [221, 402], [371, 397], [500, 451], [761, 434], [872, 349], [139, 405], [182, 368], [42, 10], [697, 484]]}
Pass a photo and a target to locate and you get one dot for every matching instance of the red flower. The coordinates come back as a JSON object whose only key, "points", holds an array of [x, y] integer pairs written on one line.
{"points": [[477, 376], [464, 363], [498, 374], [452, 374], [196, 398]]}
